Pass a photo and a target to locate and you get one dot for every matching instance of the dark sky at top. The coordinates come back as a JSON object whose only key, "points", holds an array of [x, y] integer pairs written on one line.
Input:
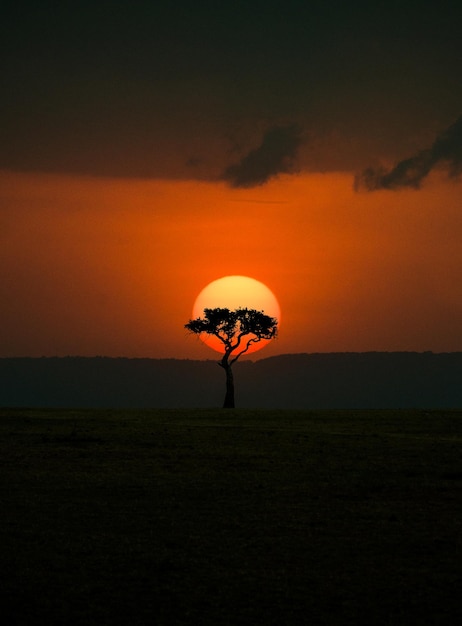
{"points": [[195, 89]]}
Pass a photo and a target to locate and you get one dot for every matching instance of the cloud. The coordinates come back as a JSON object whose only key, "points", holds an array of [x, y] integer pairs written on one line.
{"points": [[275, 155], [447, 150]]}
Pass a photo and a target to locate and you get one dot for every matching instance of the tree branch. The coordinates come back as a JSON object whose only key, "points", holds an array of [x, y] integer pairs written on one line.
{"points": [[249, 343], [229, 325]]}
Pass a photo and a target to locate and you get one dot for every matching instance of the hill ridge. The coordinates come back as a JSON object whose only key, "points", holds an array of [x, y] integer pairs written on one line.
{"points": [[294, 381]]}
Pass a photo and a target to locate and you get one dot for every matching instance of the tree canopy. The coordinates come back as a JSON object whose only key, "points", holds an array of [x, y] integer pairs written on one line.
{"points": [[237, 330]]}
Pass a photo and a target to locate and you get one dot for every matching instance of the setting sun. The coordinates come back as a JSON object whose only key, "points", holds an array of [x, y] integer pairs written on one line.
{"points": [[234, 292]]}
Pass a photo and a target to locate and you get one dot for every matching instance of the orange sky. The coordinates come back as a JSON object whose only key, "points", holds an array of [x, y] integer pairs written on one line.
{"points": [[93, 266]]}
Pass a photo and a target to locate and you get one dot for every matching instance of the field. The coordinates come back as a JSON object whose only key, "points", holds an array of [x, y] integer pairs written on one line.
{"points": [[212, 517]]}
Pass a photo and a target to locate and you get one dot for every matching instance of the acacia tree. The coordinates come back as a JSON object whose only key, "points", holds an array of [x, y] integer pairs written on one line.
{"points": [[238, 330]]}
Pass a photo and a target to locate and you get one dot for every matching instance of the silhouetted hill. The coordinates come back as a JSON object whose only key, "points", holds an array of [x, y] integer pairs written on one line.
{"points": [[355, 380], [295, 381]]}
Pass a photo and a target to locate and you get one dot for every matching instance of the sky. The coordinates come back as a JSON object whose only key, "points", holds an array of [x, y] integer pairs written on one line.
{"points": [[149, 148]]}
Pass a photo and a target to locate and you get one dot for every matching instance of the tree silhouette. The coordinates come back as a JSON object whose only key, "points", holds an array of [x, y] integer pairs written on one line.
{"points": [[238, 330]]}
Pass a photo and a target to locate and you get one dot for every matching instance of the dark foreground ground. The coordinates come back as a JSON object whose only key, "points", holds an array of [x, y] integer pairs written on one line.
{"points": [[231, 517]]}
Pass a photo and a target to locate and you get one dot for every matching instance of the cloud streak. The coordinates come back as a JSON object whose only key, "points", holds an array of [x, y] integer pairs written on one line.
{"points": [[275, 155], [446, 150]]}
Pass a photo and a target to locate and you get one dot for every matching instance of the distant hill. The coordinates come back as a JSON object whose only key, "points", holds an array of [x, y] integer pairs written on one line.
{"points": [[293, 381]]}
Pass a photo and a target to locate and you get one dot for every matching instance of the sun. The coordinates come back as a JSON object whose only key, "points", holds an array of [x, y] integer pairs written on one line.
{"points": [[234, 292]]}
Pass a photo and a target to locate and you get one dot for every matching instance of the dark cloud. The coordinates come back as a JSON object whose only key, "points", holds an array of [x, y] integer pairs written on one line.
{"points": [[446, 150], [133, 89], [275, 155]]}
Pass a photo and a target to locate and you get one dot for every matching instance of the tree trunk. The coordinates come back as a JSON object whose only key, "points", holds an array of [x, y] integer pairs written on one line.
{"points": [[229, 397]]}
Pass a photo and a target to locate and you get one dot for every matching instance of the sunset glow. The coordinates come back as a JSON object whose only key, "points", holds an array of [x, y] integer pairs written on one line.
{"points": [[222, 225], [112, 267], [315, 147], [236, 292]]}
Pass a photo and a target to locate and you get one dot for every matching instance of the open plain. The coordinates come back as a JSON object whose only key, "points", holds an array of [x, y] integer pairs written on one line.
{"points": [[231, 517]]}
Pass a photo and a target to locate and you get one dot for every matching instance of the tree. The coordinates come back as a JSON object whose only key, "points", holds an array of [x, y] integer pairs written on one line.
{"points": [[238, 330]]}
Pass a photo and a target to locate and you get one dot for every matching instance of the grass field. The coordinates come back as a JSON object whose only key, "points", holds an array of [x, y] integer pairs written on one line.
{"points": [[231, 517]]}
